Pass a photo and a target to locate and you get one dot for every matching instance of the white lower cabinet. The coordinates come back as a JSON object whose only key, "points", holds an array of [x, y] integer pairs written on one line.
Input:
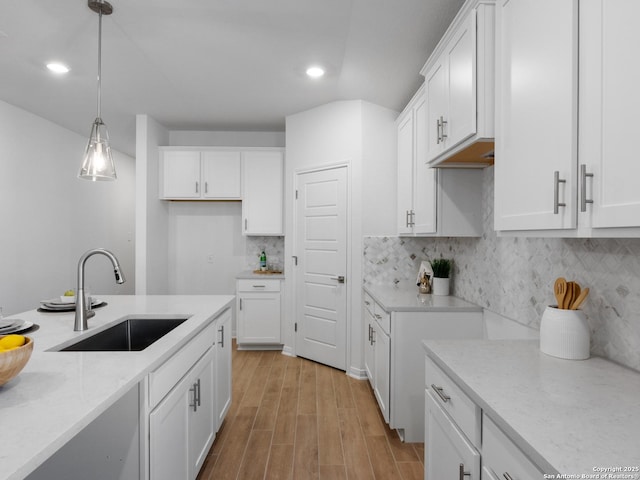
{"points": [[181, 426], [189, 395], [502, 458], [394, 358], [459, 436], [259, 307], [223, 368], [449, 454]]}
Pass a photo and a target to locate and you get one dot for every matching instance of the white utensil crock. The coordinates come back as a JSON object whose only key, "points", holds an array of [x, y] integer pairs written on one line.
{"points": [[440, 286], [564, 334]]}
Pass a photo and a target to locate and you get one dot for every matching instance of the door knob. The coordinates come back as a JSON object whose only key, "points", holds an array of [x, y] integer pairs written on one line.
{"points": [[339, 278]]}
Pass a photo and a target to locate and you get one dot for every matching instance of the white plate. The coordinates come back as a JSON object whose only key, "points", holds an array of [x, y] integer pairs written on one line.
{"points": [[8, 323], [18, 328], [65, 307], [15, 323]]}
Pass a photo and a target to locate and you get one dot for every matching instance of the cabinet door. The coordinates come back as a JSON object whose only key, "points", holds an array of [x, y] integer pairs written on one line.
{"points": [[202, 416], [405, 174], [259, 318], [262, 193], [461, 84], [436, 87], [223, 368], [448, 453], [168, 435], [536, 114], [369, 358], [609, 102], [180, 174], [424, 177], [382, 362], [221, 175]]}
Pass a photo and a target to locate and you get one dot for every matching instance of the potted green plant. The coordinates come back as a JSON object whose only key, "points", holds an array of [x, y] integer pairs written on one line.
{"points": [[441, 270]]}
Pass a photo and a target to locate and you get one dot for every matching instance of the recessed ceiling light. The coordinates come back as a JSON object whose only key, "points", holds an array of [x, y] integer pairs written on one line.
{"points": [[315, 72], [57, 67]]}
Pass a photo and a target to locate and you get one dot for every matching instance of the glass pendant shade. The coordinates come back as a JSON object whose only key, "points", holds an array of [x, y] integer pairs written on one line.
{"points": [[97, 163]]}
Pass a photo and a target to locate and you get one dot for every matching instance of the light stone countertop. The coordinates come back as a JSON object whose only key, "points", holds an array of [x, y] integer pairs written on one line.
{"points": [[404, 297], [57, 394], [567, 416], [250, 274]]}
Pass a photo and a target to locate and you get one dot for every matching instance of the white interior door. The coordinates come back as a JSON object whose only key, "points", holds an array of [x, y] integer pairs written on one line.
{"points": [[321, 248]]}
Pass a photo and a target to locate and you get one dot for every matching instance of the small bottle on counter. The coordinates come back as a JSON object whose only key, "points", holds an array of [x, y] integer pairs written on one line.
{"points": [[263, 261]]}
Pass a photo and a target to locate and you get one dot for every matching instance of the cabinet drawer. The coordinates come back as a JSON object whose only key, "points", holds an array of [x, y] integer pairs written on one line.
{"points": [[167, 375], [368, 302], [258, 285], [383, 318], [464, 412], [502, 457]]}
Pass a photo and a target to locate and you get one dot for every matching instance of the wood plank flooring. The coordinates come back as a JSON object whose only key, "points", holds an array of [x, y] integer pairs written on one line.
{"points": [[294, 419]]}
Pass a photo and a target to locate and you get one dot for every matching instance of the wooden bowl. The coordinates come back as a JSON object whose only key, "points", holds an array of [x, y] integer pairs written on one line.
{"points": [[13, 361]]}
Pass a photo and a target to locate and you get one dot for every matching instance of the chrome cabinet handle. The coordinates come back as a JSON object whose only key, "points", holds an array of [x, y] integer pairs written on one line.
{"points": [[583, 194], [197, 187], [339, 278], [367, 303], [206, 187], [378, 316], [443, 122], [221, 332], [463, 473], [369, 334], [406, 221], [373, 336], [440, 391], [556, 192], [196, 395], [245, 224], [240, 303], [506, 476], [438, 127], [259, 286]]}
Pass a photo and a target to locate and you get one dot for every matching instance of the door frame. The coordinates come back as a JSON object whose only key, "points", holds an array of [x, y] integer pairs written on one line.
{"points": [[349, 257]]}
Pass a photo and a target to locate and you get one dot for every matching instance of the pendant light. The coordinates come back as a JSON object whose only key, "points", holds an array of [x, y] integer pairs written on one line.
{"points": [[97, 163]]}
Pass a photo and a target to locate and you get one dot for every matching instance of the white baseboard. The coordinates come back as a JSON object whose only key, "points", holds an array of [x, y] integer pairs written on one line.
{"points": [[288, 351], [357, 373]]}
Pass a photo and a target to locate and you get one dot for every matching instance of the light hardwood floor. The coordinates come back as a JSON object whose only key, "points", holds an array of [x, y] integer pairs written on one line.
{"points": [[295, 419]]}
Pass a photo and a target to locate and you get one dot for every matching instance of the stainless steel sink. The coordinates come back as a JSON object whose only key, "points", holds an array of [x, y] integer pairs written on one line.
{"points": [[131, 335]]}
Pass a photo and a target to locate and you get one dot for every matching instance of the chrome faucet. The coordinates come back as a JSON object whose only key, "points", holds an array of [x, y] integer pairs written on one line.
{"points": [[82, 312]]}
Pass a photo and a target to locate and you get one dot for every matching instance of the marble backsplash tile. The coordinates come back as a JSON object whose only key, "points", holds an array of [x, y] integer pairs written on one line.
{"points": [[514, 276], [273, 247]]}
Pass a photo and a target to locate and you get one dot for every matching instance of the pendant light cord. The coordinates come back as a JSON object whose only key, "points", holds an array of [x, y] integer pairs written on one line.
{"points": [[99, 62]]}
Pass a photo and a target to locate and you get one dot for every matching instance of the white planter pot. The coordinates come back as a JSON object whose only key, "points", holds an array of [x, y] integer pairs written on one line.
{"points": [[440, 286], [564, 334]]}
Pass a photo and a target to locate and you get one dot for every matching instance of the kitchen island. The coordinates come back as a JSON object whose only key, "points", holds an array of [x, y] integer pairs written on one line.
{"points": [[58, 394]]}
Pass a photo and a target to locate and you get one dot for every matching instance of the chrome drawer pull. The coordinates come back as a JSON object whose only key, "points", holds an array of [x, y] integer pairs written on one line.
{"points": [[583, 194], [259, 286], [378, 316], [221, 332], [556, 192], [507, 476], [463, 473], [443, 122], [439, 390]]}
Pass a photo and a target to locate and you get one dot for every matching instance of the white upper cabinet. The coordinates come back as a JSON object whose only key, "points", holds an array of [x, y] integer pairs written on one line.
{"points": [[432, 202], [416, 181], [609, 104], [536, 114], [459, 79], [180, 174], [565, 118], [221, 175], [192, 174], [262, 193]]}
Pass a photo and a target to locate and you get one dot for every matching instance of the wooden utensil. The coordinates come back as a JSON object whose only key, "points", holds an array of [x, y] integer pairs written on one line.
{"points": [[578, 301], [560, 290], [573, 292]]}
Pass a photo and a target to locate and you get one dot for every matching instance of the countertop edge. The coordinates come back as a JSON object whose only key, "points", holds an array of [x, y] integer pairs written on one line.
{"points": [[389, 306], [529, 451]]}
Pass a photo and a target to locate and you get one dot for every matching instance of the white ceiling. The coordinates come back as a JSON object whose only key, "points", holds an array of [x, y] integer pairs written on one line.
{"points": [[213, 64]]}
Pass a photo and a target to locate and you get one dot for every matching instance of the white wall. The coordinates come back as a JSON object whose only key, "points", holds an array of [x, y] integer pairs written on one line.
{"points": [[152, 218], [361, 136], [49, 217], [184, 138]]}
